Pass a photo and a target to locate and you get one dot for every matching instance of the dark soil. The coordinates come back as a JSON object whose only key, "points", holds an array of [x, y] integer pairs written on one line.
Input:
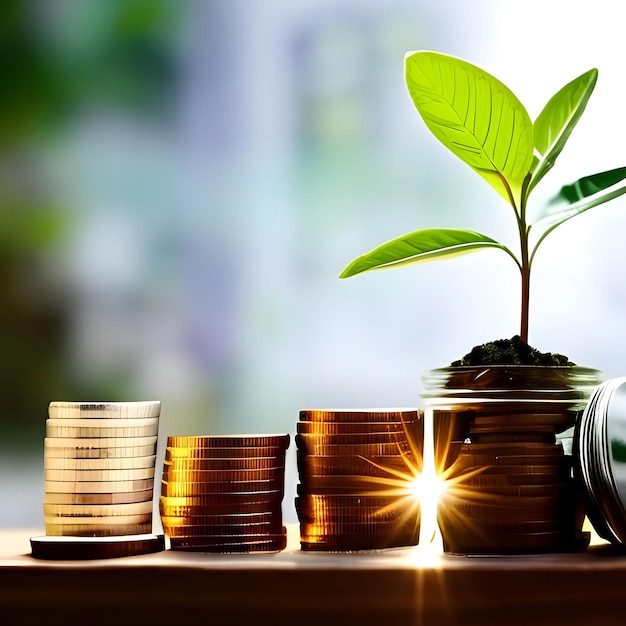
{"points": [[512, 351]]}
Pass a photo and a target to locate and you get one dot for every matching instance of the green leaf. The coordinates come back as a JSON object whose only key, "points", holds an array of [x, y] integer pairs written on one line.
{"points": [[475, 116], [555, 123], [578, 197], [428, 244]]}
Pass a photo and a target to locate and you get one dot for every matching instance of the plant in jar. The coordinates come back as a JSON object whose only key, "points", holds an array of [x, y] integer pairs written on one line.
{"points": [[495, 412]]}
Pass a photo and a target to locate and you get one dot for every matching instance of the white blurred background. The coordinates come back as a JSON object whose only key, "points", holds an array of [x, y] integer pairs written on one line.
{"points": [[183, 181]]}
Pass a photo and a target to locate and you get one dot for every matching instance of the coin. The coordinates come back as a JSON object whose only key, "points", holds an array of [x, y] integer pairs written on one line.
{"points": [[122, 497], [254, 463], [91, 530], [230, 531], [129, 452], [223, 476], [111, 520], [473, 512], [237, 502], [364, 529], [206, 515], [351, 483], [97, 510], [198, 489], [525, 491], [55, 486], [354, 428], [485, 480], [119, 463], [512, 437], [505, 543], [350, 543], [350, 501], [307, 439], [274, 452], [480, 460], [331, 466], [364, 450], [102, 423], [552, 470], [98, 442], [358, 415], [321, 512], [84, 432], [202, 544], [65, 475], [115, 410], [524, 419], [229, 441], [84, 548]]}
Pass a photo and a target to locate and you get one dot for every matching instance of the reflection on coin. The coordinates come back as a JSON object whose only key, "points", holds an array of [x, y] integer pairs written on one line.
{"points": [[114, 410], [55, 486], [65, 475], [97, 510], [106, 464], [237, 501]]}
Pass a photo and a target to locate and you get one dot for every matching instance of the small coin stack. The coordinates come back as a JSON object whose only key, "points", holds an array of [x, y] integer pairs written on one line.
{"points": [[518, 496], [355, 470], [224, 493], [99, 476]]}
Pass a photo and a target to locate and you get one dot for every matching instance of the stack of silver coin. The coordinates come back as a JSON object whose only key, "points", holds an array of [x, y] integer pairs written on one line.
{"points": [[99, 468]]}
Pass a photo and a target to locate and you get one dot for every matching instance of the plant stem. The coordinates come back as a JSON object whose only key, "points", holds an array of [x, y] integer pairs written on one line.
{"points": [[526, 263], [525, 271]]}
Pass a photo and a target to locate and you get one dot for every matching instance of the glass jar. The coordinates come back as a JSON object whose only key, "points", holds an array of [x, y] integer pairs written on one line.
{"points": [[503, 440]]}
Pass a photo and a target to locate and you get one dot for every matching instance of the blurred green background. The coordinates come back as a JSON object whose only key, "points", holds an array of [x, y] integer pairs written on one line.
{"points": [[181, 183]]}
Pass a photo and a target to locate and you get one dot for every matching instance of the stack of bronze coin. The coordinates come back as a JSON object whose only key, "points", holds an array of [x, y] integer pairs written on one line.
{"points": [[356, 469], [224, 493], [99, 468], [512, 491]]}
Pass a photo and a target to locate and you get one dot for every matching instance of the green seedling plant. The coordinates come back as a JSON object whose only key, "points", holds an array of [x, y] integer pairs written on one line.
{"points": [[483, 123]]}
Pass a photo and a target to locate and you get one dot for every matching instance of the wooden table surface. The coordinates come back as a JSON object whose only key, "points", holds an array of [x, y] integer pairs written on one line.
{"points": [[400, 586]]}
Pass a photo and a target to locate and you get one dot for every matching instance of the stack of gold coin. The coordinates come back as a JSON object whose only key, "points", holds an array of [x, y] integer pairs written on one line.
{"points": [[224, 493], [356, 470], [99, 468], [518, 494]]}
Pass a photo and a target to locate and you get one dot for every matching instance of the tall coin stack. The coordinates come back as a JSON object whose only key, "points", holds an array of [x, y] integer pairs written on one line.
{"points": [[99, 476], [224, 493], [355, 470], [519, 495]]}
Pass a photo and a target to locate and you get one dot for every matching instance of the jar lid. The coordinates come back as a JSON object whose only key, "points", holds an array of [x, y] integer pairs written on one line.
{"points": [[600, 459]]}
